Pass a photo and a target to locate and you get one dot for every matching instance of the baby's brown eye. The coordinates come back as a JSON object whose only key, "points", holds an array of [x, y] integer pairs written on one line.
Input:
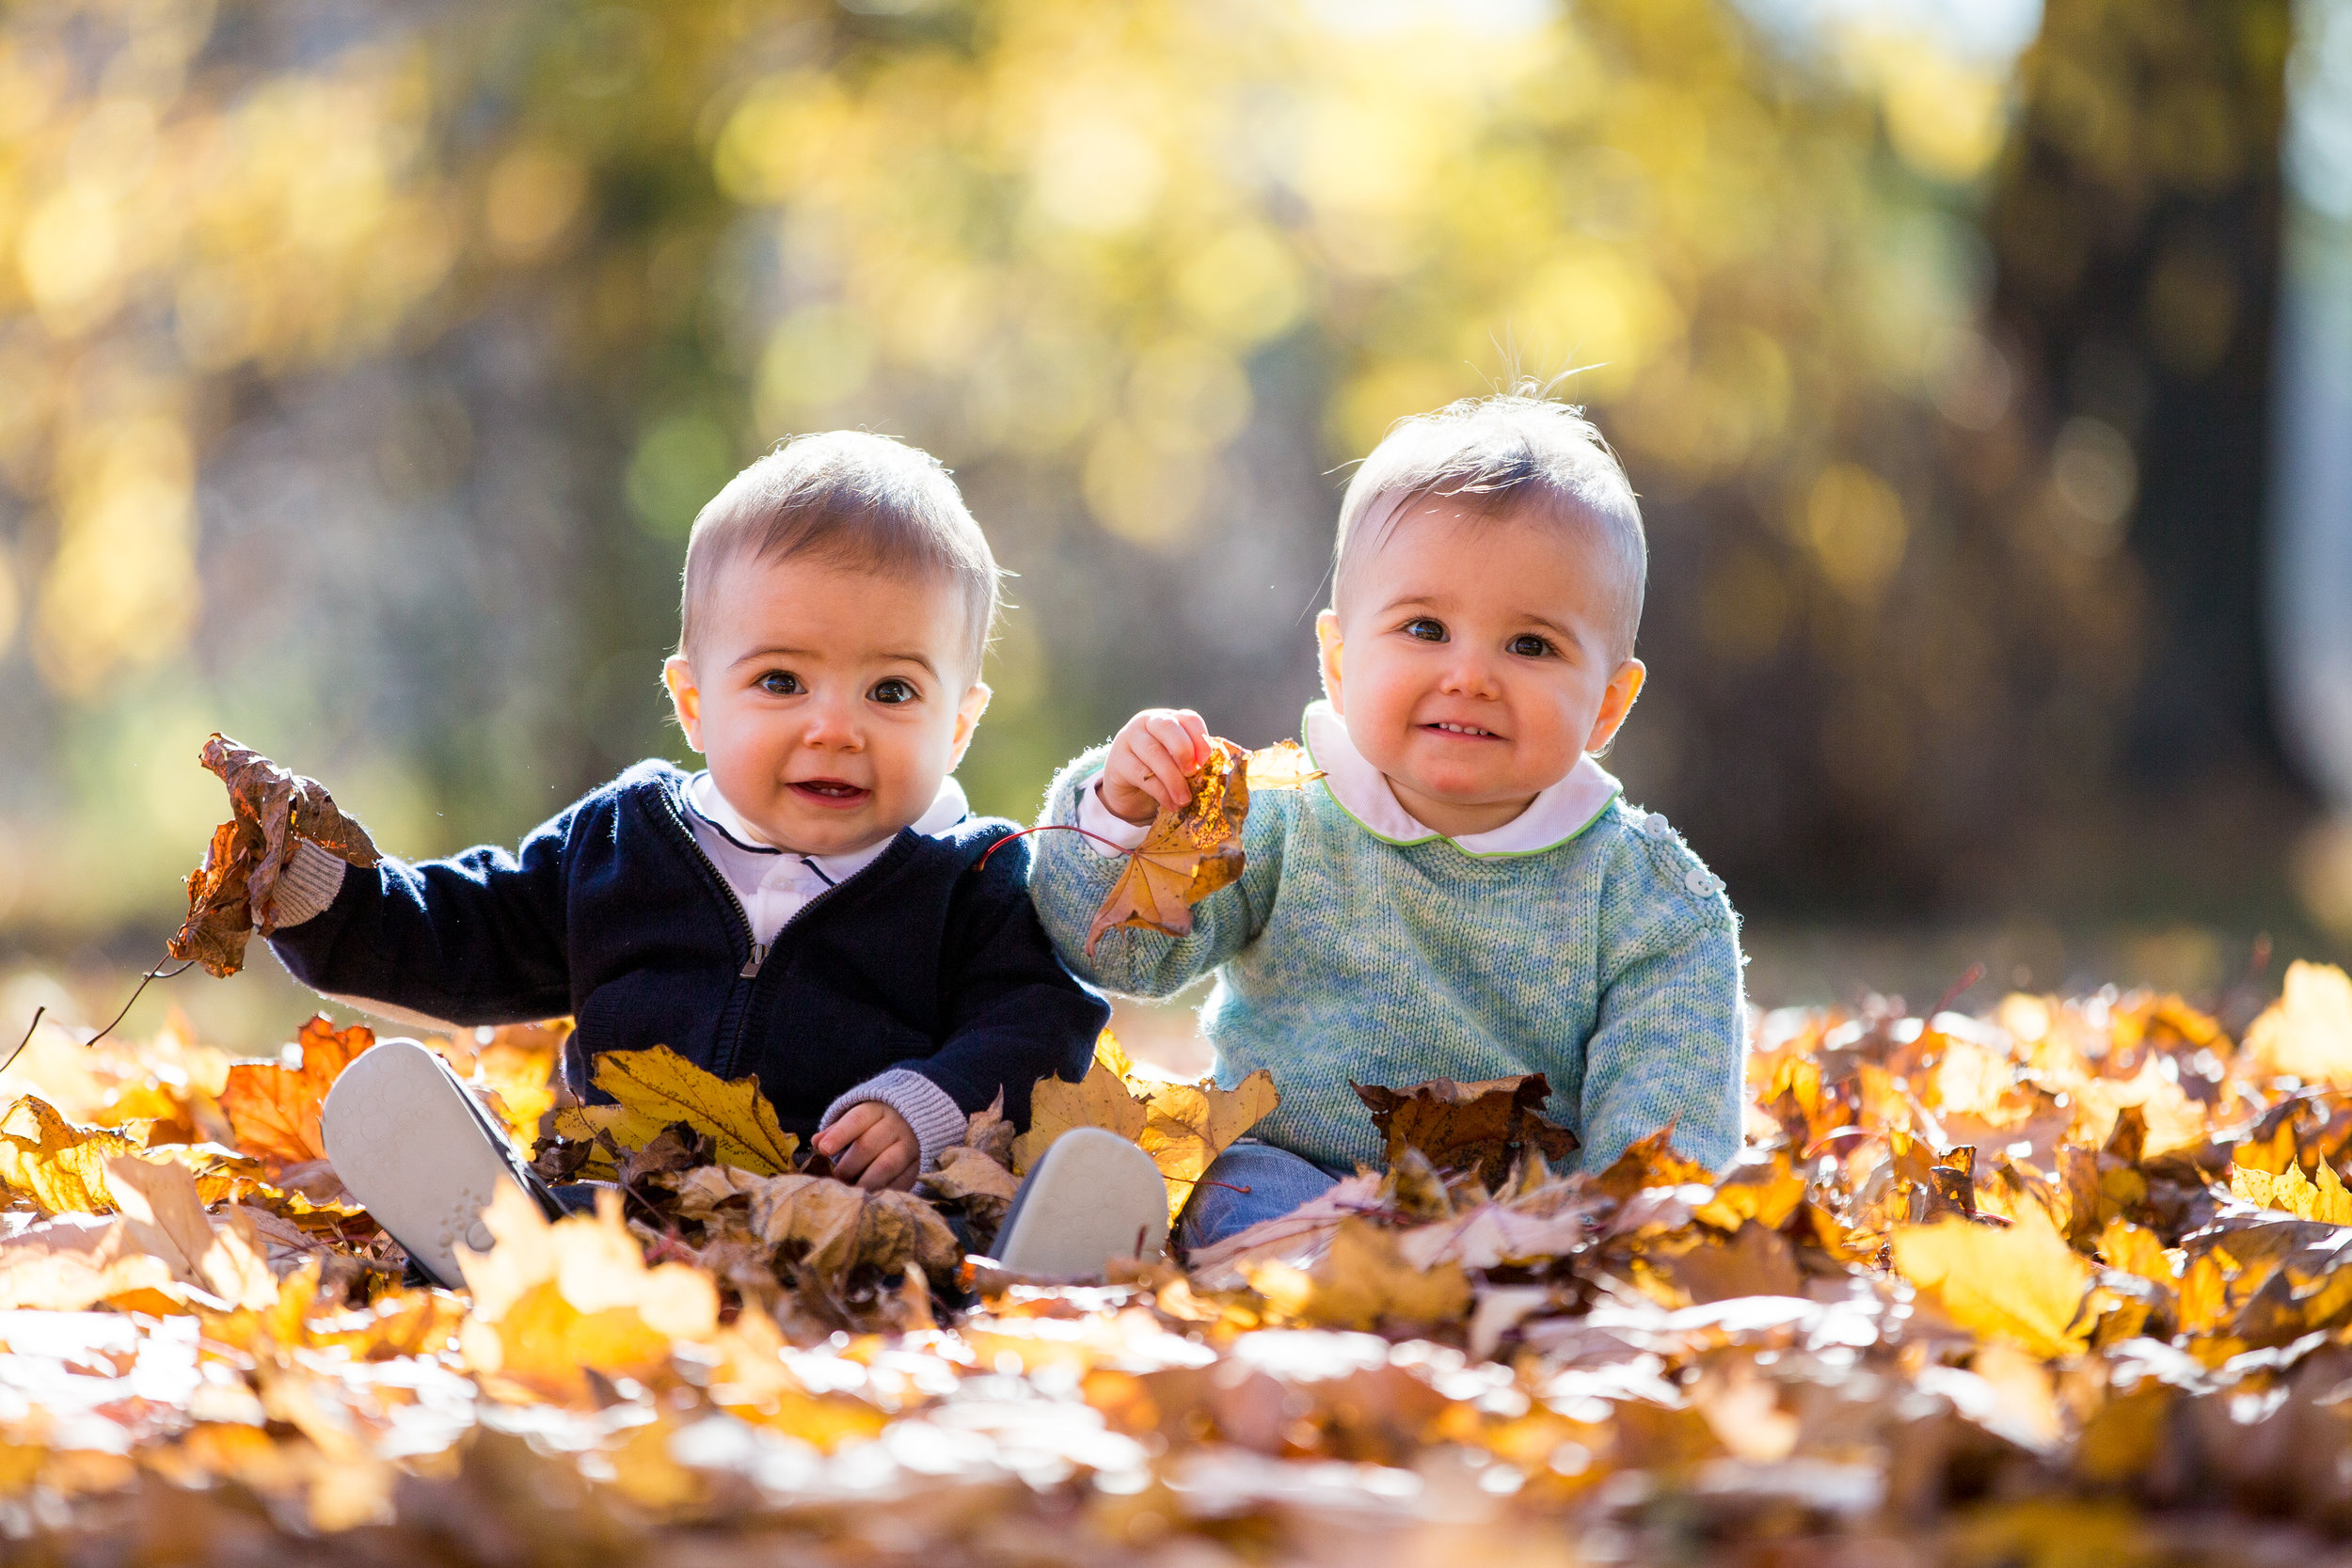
{"points": [[1427, 629], [780, 683], [894, 692], [1530, 646]]}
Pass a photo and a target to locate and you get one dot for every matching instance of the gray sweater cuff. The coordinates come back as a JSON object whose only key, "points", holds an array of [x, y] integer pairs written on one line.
{"points": [[306, 886], [937, 1119]]}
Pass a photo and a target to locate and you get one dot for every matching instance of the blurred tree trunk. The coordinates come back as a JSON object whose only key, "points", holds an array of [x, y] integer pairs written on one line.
{"points": [[2136, 228]]}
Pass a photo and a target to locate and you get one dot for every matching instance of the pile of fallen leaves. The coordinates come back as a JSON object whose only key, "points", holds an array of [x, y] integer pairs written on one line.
{"points": [[2062, 1284]]}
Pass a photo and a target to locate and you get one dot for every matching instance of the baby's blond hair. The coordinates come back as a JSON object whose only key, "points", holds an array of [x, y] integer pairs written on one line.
{"points": [[1518, 453], [855, 499]]}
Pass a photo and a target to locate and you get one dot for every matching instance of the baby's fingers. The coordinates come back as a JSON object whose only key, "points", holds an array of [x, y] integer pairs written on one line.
{"points": [[838, 1141], [1165, 751], [1196, 729]]}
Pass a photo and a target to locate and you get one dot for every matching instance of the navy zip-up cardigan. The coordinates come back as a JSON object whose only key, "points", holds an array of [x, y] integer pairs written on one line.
{"points": [[925, 959]]}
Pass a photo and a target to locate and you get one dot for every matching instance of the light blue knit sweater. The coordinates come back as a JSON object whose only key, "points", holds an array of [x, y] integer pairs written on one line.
{"points": [[1609, 961]]}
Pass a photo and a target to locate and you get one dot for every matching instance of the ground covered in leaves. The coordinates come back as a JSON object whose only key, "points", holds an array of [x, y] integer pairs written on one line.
{"points": [[2061, 1284]]}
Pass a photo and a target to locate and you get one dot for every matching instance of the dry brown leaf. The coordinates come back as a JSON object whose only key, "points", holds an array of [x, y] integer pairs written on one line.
{"points": [[275, 1109], [1482, 1128], [968, 1177], [832, 1227], [656, 1088], [751, 1381], [1651, 1162], [230, 895], [990, 1132], [515, 1071]]}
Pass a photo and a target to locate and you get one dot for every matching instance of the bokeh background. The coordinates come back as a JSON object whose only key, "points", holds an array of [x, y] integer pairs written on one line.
{"points": [[1985, 366]]}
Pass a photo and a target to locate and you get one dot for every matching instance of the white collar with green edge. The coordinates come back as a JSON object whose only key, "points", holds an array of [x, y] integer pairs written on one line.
{"points": [[1552, 818]]}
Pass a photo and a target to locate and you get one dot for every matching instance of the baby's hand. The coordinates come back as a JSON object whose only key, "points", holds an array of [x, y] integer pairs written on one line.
{"points": [[872, 1146], [1151, 759]]}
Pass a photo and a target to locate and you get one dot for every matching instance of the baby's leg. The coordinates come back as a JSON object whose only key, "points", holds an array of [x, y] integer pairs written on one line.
{"points": [[1250, 1182], [419, 1153]]}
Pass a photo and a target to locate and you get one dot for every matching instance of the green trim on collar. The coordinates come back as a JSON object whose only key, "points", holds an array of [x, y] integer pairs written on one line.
{"points": [[1308, 746]]}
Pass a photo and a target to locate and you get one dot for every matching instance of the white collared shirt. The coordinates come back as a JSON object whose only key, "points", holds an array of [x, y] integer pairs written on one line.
{"points": [[1555, 815], [776, 884]]}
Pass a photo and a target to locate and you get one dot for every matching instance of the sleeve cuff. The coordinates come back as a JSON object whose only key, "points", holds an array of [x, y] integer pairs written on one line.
{"points": [[1096, 819], [938, 1121], [306, 886]]}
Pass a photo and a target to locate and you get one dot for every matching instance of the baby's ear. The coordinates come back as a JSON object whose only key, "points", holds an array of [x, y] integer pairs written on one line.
{"points": [[1615, 703], [968, 711], [1328, 641], [686, 697]]}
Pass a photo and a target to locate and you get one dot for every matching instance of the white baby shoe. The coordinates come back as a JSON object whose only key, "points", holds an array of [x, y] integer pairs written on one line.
{"points": [[1094, 1196], [419, 1153]]}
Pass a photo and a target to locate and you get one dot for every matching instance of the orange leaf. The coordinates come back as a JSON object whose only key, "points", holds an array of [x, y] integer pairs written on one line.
{"points": [[275, 1109]]}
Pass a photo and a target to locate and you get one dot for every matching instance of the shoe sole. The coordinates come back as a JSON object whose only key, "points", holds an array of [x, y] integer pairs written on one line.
{"points": [[409, 1143], [1094, 1196]]}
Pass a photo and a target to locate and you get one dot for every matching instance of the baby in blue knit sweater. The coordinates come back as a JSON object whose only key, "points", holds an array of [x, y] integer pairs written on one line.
{"points": [[1464, 893]]}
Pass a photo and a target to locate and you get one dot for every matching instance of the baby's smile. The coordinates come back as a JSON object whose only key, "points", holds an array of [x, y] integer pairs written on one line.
{"points": [[837, 793], [1468, 732]]}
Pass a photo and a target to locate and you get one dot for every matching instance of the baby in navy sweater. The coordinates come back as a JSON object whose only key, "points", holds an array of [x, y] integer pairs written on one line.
{"points": [[817, 907]]}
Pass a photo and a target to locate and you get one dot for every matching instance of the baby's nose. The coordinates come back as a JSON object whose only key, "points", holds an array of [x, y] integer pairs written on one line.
{"points": [[830, 725], [1472, 676]]}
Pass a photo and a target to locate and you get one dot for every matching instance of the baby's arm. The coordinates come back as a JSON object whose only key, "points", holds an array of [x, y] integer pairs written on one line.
{"points": [[1015, 1015], [1143, 769], [1671, 1041], [478, 938]]}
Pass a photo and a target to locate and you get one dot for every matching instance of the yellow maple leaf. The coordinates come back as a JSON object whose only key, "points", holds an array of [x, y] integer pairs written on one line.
{"points": [[2307, 1033], [1364, 1281], [59, 1165], [1183, 1127], [2294, 1192], [1098, 1100], [552, 1301], [658, 1086], [2022, 1284]]}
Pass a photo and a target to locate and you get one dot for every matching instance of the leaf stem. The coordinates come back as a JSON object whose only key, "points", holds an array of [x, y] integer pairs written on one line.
{"points": [[1052, 827], [154, 973], [27, 1041]]}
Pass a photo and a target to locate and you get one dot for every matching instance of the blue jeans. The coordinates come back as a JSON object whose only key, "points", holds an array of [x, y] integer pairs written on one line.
{"points": [[1250, 1182]]}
